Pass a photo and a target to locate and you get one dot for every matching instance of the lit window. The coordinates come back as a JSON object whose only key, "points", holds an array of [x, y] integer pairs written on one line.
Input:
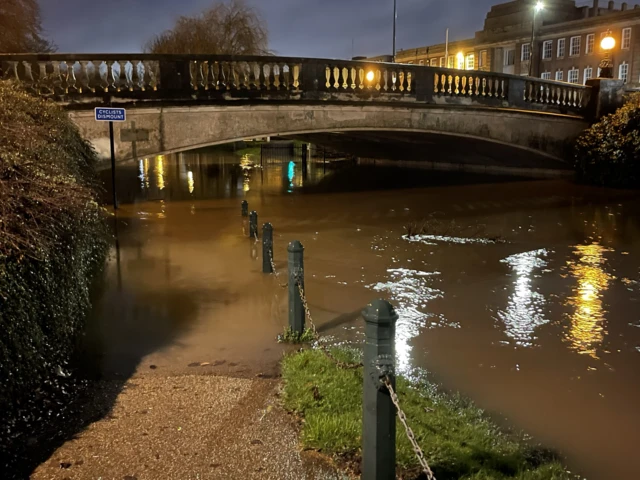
{"points": [[434, 62], [460, 61], [546, 76], [547, 50], [442, 62], [591, 38], [574, 75], [526, 52], [482, 60], [451, 61], [559, 76], [623, 71], [574, 46], [626, 38], [561, 43], [509, 58], [588, 74], [471, 61]]}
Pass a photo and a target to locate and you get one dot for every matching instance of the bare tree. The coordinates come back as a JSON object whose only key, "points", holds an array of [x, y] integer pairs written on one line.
{"points": [[231, 28], [21, 28]]}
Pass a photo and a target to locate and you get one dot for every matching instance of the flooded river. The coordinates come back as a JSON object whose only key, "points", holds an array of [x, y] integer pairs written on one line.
{"points": [[522, 295]]}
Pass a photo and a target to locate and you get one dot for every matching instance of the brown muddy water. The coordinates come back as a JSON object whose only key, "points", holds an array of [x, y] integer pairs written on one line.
{"points": [[541, 328]]}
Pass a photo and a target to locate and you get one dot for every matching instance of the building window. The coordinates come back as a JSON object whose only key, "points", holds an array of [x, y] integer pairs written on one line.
{"points": [[526, 52], [546, 76], [574, 47], [460, 61], [547, 50], [574, 75], [561, 43], [626, 38], [421, 63], [482, 59], [471, 61], [591, 38], [509, 58], [442, 62], [623, 71], [559, 76], [451, 61], [588, 74]]}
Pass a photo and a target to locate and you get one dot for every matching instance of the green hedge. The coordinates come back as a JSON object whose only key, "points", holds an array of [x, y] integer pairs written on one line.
{"points": [[53, 241], [608, 153]]}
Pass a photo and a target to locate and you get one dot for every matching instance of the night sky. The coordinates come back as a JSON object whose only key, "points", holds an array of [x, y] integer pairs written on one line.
{"points": [[307, 28]]}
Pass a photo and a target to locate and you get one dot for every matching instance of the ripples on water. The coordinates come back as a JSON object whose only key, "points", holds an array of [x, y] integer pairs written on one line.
{"points": [[524, 311]]}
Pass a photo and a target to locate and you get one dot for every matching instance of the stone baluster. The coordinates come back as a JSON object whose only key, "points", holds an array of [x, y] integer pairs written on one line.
{"points": [[450, 84], [436, 83], [83, 77], [286, 72], [277, 72], [246, 75], [354, 78], [268, 75], [361, 78], [327, 74], [463, 90], [112, 81], [193, 75], [345, 78], [27, 78], [336, 77], [401, 78], [261, 81], [137, 80], [457, 84], [222, 78], [394, 80], [409, 81], [235, 77], [96, 78], [42, 87], [56, 78], [12, 71], [215, 75], [70, 79], [378, 79], [296, 76], [152, 74]]}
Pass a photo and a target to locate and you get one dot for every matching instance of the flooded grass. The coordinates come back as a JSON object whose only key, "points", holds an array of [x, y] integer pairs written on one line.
{"points": [[289, 336], [459, 440]]}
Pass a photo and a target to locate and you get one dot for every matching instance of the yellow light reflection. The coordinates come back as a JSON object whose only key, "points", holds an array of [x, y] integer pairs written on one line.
{"points": [[587, 330], [146, 172], [190, 183], [160, 172]]}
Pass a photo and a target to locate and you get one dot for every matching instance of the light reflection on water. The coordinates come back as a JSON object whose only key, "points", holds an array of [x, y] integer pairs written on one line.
{"points": [[524, 309], [587, 331], [411, 292]]}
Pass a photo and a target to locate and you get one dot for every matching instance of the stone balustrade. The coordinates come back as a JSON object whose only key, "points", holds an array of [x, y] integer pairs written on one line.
{"points": [[78, 80]]}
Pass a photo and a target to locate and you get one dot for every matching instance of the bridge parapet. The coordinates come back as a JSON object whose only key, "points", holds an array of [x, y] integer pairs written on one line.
{"points": [[80, 80]]}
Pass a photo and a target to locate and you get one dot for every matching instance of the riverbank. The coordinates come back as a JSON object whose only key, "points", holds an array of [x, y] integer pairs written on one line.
{"points": [[458, 439]]}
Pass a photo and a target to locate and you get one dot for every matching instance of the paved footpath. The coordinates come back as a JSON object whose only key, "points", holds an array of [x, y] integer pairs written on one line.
{"points": [[188, 427]]}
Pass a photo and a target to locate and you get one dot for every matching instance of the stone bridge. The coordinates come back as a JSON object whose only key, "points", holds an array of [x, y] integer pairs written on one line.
{"points": [[181, 102]]}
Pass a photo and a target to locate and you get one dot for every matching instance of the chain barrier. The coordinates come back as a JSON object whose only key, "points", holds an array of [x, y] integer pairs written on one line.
{"points": [[323, 348], [276, 273], [410, 435]]}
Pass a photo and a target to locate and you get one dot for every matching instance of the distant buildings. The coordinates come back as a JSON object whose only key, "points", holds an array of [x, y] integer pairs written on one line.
{"points": [[566, 43]]}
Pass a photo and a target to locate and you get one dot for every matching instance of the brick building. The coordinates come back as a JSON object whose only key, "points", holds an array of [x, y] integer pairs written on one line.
{"points": [[566, 42]]}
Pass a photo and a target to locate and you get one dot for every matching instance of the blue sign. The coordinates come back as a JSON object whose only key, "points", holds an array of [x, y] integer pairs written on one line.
{"points": [[111, 114]]}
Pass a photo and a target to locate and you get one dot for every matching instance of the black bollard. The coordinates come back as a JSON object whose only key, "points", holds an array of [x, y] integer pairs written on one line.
{"points": [[296, 277], [253, 224], [378, 411], [245, 208], [267, 248]]}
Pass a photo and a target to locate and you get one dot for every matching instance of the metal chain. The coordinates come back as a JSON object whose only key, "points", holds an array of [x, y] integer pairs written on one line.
{"points": [[276, 273], [306, 307], [412, 438]]}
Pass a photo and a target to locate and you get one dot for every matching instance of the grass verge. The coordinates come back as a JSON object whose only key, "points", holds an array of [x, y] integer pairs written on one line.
{"points": [[458, 439], [289, 336]]}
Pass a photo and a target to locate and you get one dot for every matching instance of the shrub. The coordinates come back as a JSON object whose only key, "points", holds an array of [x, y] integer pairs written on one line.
{"points": [[53, 240], [608, 153]]}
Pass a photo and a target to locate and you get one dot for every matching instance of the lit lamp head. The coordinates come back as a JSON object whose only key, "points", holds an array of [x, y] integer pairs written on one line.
{"points": [[370, 76], [539, 7], [607, 44]]}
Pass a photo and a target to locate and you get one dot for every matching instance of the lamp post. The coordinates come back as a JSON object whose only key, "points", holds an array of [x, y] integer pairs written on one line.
{"points": [[607, 44], [538, 8], [395, 17]]}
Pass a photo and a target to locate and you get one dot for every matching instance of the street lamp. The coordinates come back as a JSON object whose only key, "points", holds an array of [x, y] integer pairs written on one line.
{"points": [[537, 9], [607, 44], [395, 17]]}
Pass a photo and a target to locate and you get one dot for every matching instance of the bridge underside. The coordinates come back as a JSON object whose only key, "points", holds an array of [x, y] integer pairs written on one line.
{"points": [[440, 151], [454, 134]]}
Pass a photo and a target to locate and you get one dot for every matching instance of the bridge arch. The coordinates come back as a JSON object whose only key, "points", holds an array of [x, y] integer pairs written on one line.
{"points": [[174, 128]]}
